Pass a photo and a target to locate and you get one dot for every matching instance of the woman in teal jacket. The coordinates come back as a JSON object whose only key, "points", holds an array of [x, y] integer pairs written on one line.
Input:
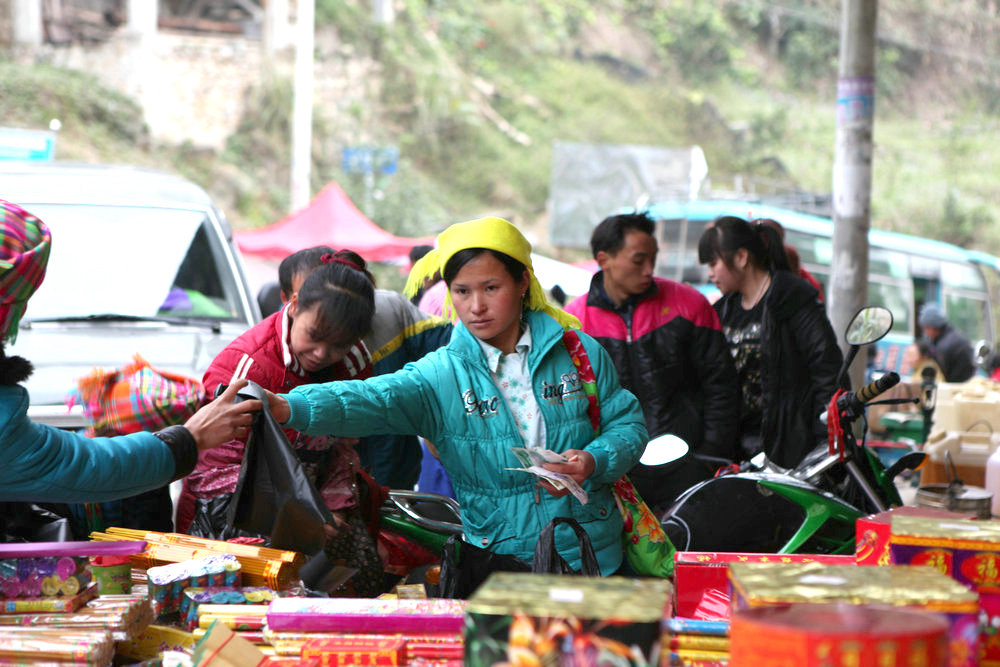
{"points": [[505, 380]]}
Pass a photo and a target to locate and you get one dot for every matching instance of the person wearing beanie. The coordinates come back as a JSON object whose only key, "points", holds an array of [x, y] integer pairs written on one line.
{"points": [[46, 464], [949, 346], [506, 379]]}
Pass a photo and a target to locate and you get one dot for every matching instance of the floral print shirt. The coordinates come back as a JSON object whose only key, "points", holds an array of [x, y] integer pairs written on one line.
{"points": [[511, 375]]}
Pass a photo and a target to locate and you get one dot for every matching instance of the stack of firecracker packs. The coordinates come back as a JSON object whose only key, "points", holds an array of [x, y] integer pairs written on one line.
{"points": [[193, 600]]}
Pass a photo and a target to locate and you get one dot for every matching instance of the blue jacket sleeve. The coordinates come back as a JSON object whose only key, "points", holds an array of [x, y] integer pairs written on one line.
{"points": [[44, 463], [385, 404]]}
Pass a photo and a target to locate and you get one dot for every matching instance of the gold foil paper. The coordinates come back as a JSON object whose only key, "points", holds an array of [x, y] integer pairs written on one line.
{"points": [[956, 533], [636, 600], [758, 584]]}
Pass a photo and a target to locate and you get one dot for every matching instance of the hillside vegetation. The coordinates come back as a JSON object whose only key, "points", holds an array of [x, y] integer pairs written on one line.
{"points": [[474, 94]]}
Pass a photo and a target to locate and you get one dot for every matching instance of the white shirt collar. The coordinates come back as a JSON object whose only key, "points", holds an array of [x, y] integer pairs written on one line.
{"points": [[493, 355]]}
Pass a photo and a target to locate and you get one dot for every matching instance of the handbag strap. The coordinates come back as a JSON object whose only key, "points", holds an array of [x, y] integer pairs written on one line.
{"points": [[578, 353], [547, 559]]}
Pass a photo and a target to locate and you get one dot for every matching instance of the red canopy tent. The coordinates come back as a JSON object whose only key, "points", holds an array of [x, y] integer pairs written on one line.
{"points": [[331, 219]]}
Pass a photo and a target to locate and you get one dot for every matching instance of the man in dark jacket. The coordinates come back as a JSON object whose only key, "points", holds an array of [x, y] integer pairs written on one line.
{"points": [[949, 346], [667, 345]]}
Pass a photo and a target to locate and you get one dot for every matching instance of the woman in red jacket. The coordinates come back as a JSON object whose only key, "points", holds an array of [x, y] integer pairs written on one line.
{"points": [[315, 337]]}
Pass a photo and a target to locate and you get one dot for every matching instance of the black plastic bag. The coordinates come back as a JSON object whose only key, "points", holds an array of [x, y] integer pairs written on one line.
{"points": [[30, 522], [273, 495], [464, 567], [547, 559]]}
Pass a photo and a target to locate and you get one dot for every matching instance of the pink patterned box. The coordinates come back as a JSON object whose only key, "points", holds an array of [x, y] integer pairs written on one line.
{"points": [[364, 615]]}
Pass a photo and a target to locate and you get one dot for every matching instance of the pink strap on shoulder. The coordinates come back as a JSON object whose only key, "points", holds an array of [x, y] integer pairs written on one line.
{"points": [[578, 353]]}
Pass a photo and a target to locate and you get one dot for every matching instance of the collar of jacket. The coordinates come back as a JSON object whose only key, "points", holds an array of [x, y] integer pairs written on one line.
{"points": [[545, 332], [598, 297]]}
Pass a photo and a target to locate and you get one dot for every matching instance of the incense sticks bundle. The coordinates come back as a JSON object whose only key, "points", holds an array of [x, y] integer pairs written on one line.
{"points": [[91, 646], [123, 616], [261, 566]]}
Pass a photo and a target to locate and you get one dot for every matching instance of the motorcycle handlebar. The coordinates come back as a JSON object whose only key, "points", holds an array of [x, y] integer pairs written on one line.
{"points": [[876, 387], [856, 400]]}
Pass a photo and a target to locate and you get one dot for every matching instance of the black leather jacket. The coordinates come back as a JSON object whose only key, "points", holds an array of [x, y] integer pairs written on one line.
{"points": [[800, 359]]}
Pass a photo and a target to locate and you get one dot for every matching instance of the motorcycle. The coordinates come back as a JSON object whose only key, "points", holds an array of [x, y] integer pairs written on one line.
{"points": [[813, 507]]}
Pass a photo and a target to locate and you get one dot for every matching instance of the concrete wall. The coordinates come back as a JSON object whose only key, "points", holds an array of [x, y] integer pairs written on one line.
{"points": [[193, 87]]}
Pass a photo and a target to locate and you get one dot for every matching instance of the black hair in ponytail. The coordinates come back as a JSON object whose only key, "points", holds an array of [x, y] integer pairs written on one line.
{"points": [[728, 233]]}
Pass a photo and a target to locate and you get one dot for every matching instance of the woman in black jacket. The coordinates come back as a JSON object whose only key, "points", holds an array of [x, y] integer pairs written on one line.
{"points": [[783, 345]]}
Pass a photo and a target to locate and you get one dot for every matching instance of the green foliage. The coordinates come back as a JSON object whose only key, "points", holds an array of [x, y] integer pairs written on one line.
{"points": [[963, 222], [33, 96], [810, 55], [352, 18], [695, 36]]}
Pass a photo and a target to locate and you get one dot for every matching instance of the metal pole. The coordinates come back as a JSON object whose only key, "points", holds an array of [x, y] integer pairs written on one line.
{"points": [[302, 104], [26, 24], [277, 31], [852, 166]]}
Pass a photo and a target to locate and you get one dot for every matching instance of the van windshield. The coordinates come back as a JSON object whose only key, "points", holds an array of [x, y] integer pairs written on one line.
{"points": [[133, 262]]}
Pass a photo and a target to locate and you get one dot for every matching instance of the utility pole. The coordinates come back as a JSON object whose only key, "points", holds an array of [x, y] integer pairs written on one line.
{"points": [[277, 31], [852, 166], [302, 104], [26, 28], [383, 12]]}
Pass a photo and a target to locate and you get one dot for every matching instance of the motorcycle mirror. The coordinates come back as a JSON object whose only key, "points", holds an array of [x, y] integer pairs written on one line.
{"points": [[869, 325], [663, 449]]}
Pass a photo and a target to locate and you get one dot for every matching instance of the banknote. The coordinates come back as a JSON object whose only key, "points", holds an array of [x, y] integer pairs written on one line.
{"points": [[533, 458]]}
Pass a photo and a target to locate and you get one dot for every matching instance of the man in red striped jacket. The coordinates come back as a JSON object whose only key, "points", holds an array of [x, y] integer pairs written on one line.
{"points": [[667, 344]]}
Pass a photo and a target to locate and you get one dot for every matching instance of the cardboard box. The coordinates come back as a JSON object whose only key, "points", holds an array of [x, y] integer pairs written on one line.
{"points": [[701, 578], [520, 618], [913, 587], [872, 542]]}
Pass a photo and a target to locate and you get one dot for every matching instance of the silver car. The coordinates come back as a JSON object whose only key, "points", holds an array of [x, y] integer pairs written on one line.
{"points": [[141, 263]]}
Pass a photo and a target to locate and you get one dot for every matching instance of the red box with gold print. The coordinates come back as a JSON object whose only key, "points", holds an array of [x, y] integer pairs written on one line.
{"points": [[701, 578], [872, 542], [967, 551], [334, 652]]}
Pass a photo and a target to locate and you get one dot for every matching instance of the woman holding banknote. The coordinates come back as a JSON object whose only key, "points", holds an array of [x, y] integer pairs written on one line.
{"points": [[506, 380]]}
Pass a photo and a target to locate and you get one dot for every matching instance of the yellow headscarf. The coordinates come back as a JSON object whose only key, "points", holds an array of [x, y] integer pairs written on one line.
{"points": [[493, 234]]}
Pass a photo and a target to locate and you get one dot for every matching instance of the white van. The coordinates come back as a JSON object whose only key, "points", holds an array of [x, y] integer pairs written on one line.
{"points": [[141, 263]]}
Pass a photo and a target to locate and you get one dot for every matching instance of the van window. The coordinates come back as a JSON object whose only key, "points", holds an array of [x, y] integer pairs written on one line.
{"points": [[134, 262]]}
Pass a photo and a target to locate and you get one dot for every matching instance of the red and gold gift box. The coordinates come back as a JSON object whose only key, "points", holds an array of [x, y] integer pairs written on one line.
{"points": [[356, 651], [968, 551], [837, 635], [918, 588], [701, 578], [873, 531]]}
